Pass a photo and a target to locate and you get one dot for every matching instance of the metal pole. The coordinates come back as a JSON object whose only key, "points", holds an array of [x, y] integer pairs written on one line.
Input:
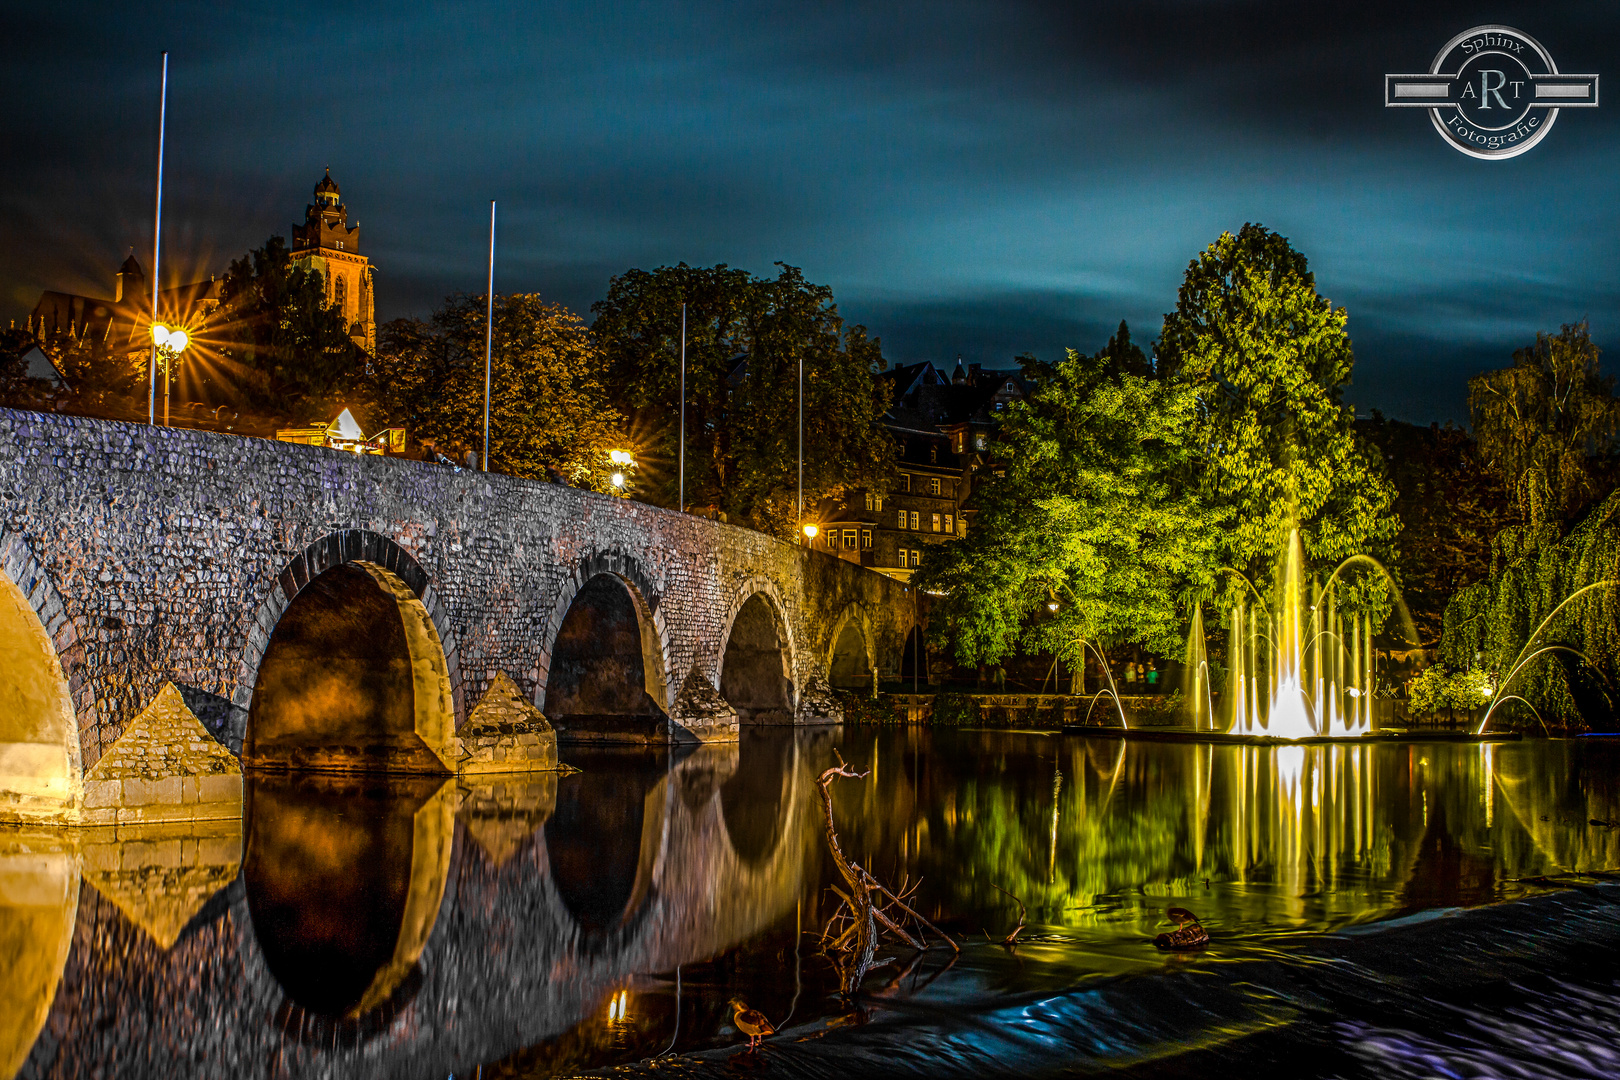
{"points": [[157, 236], [489, 329], [165, 387], [801, 447], [683, 408]]}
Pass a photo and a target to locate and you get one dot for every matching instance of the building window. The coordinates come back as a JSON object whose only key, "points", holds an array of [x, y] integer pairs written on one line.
{"points": [[905, 481], [916, 558], [905, 559], [866, 539], [340, 293], [869, 500], [958, 442], [935, 523], [832, 538], [933, 486], [916, 520], [849, 538], [877, 502], [933, 454], [978, 442], [902, 517], [950, 524]]}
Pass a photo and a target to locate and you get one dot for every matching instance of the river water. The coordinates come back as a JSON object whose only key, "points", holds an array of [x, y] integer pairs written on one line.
{"points": [[1420, 909]]}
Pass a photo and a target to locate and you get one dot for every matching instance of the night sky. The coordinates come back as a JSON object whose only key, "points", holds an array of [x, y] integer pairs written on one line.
{"points": [[973, 179]]}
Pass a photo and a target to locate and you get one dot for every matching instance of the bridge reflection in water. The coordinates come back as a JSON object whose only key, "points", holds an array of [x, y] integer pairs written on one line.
{"points": [[362, 925]]}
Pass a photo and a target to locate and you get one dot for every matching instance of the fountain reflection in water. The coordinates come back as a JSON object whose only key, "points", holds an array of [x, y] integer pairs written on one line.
{"points": [[1302, 667]]}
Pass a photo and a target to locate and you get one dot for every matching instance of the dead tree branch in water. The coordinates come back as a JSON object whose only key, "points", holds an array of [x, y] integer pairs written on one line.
{"points": [[1023, 914], [850, 937]]}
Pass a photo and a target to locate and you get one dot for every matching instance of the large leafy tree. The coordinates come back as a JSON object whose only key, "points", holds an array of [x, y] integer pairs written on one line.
{"points": [[1547, 426], [550, 408], [282, 345], [1093, 517], [745, 339], [1268, 358]]}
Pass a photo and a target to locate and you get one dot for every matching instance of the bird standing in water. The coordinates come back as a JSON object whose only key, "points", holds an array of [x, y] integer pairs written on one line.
{"points": [[751, 1022]]}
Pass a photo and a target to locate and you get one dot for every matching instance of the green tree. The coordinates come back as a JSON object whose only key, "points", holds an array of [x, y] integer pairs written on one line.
{"points": [[274, 320], [1547, 426], [745, 339], [1268, 358], [549, 403], [1093, 517]]}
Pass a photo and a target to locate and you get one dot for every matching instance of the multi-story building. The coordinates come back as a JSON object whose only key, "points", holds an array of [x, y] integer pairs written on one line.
{"points": [[942, 427], [328, 243]]}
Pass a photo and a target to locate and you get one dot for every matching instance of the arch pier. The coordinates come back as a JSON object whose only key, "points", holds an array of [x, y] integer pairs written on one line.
{"points": [[311, 610]]}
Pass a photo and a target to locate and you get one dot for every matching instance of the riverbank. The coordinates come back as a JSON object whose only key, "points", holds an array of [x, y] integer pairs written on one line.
{"points": [[1441, 992]]}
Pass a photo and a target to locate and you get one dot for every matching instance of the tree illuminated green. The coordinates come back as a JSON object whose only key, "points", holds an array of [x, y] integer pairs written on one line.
{"points": [[1091, 516], [1268, 358], [1547, 425], [549, 405]]}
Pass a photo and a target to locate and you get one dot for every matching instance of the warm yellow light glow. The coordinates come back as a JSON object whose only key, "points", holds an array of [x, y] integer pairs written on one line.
{"points": [[810, 531], [1052, 605], [178, 340], [618, 479], [621, 457], [160, 333], [619, 1007]]}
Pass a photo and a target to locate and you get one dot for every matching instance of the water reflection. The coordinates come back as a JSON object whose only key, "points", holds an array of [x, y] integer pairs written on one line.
{"points": [[344, 879], [542, 925]]}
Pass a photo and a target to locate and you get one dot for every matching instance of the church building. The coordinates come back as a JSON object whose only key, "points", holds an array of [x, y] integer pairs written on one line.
{"points": [[327, 243]]}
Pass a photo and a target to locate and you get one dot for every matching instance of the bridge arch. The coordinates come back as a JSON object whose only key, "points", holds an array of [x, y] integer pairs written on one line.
{"points": [[350, 665], [606, 643], [758, 663], [852, 650], [41, 763]]}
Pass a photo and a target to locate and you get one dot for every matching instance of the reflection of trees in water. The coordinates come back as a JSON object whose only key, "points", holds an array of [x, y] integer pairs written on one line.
{"points": [[1287, 837]]}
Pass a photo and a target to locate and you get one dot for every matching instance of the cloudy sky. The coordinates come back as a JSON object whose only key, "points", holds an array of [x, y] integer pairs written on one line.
{"points": [[978, 179]]}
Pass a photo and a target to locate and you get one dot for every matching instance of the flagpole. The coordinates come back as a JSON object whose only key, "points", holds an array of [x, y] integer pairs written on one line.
{"points": [[683, 407], [489, 329], [801, 446], [157, 237]]}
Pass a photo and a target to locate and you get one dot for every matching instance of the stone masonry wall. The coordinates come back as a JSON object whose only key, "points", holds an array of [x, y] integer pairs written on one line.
{"points": [[171, 553]]}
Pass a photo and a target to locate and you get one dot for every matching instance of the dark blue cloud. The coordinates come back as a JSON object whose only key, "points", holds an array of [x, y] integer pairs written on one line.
{"points": [[981, 179]]}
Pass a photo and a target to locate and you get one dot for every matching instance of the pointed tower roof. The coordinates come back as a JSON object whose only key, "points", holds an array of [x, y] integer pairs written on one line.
{"points": [[327, 184]]}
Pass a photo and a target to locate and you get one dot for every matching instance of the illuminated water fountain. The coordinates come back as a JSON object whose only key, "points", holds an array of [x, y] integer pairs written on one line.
{"points": [[1301, 668]]}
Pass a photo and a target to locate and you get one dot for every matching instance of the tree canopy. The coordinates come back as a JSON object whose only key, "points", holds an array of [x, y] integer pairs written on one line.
{"points": [[1547, 426], [1091, 517], [1268, 358], [274, 320], [549, 403], [745, 338]]}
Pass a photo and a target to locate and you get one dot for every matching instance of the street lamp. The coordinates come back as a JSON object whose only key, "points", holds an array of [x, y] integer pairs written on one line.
{"points": [[810, 531], [170, 344], [618, 479]]}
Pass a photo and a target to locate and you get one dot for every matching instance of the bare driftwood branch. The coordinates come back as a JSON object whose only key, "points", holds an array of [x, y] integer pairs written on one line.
{"points": [[869, 906], [1023, 913]]}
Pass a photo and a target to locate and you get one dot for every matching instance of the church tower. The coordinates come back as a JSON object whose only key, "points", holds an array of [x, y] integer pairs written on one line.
{"points": [[326, 243]]}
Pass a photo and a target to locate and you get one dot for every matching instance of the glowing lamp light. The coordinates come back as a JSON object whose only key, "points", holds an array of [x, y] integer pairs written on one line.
{"points": [[619, 1007], [1352, 691], [174, 340], [1052, 606], [621, 457], [618, 479], [811, 530]]}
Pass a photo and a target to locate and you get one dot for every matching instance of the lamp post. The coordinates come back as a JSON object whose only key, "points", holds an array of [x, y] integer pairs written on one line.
{"points": [[157, 237], [169, 344]]}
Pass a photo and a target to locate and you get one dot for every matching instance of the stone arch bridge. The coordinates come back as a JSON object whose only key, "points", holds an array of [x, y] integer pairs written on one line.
{"points": [[326, 610]]}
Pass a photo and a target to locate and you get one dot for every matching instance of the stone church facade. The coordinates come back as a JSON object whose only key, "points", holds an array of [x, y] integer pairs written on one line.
{"points": [[326, 242]]}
